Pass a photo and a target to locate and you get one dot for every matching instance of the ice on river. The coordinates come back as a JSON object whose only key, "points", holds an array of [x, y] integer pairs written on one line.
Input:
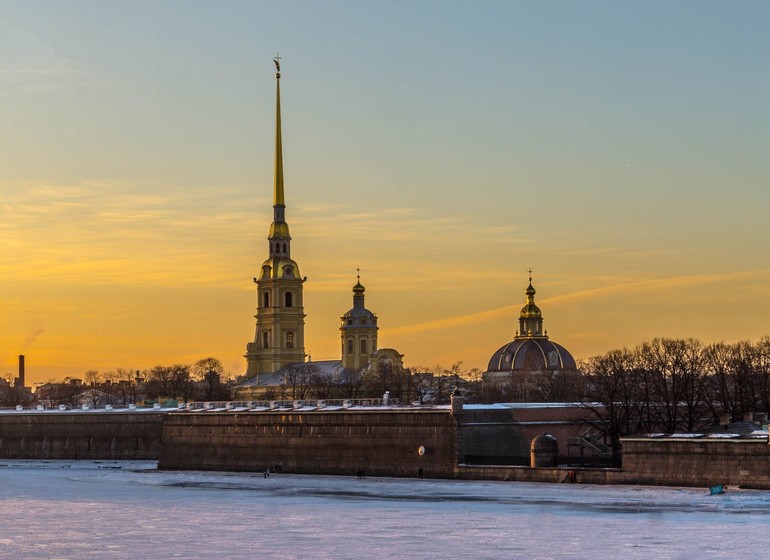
{"points": [[126, 510]]}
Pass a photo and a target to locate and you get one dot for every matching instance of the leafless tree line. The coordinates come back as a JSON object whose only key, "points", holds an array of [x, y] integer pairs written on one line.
{"points": [[205, 380], [672, 385], [406, 385]]}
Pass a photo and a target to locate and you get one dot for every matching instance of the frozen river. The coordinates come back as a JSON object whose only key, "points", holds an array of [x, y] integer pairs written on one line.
{"points": [[119, 510]]}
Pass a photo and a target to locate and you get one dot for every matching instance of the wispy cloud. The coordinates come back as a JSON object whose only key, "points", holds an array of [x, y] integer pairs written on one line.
{"points": [[398, 224], [115, 233], [625, 288]]}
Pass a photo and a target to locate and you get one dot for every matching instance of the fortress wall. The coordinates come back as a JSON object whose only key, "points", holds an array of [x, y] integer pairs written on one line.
{"points": [[81, 435], [698, 462], [586, 475], [658, 462], [383, 443]]}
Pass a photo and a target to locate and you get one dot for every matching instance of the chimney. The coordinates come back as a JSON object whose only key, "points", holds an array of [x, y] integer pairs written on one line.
{"points": [[20, 379]]}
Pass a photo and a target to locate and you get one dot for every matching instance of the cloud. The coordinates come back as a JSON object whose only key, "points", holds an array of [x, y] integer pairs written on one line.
{"points": [[659, 285], [113, 232], [625, 288], [398, 224]]}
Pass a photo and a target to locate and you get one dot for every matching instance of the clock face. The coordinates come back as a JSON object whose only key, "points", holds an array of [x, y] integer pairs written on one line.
{"points": [[289, 271]]}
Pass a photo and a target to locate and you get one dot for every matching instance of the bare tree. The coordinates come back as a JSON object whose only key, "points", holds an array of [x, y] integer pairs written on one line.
{"points": [[169, 382], [611, 396], [677, 381], [351, 383], [300, 379], [208, 374], [127, 390], [93, 394]]}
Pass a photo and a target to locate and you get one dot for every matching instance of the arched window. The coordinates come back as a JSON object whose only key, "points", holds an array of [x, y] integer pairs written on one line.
{"points": [[289, 339], [350, 346], [266, 299], [363, 346], [265, 339], [289, 299], [284, 247]]}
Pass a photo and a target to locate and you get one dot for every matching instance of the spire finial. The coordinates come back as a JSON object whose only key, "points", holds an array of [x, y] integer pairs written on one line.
{"points": [[358, 289], [530, 275], [278, 187]]}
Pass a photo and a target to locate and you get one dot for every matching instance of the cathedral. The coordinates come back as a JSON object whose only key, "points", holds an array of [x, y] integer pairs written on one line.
{"points": [[531, 353], [276, 357]]}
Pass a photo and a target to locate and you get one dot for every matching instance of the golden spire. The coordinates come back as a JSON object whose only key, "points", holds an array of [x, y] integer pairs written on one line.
{"points": [[530, 318], [279, 229], [278, 185]]}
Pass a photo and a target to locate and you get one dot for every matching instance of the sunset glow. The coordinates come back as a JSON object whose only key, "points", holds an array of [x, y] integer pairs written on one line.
{"points": [[620, 150]]}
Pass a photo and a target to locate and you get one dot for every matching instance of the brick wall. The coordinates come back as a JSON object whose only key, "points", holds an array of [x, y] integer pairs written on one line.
{"points": [[698, 462], [385, 443], [81, 435]]}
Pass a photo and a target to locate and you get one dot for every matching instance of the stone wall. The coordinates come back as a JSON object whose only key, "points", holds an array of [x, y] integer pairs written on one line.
{"points": [[382, 442], [542, 474], [379, 442], [703, 462], [81, 435]]}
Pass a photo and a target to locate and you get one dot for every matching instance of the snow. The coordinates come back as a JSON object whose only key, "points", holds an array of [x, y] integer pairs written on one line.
{"points": [[126, 510]]}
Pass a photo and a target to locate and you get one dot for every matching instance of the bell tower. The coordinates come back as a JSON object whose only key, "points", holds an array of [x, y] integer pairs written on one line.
{"points": [[280, 334], [358, 329]]}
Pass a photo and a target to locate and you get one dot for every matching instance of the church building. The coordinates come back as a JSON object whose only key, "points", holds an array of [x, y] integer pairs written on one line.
{"points": [[531, 353], [277, 356]]}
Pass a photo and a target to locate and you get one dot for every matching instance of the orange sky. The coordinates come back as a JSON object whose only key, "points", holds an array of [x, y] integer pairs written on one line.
{"points": [[620, 151]]}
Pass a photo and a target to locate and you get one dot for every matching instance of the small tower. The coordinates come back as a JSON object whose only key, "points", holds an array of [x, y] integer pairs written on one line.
{"points": [[280, 334], [530, 318], [358, 332]]}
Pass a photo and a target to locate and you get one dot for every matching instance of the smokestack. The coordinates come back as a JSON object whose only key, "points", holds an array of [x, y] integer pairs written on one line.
{"points": [[20, 379]]}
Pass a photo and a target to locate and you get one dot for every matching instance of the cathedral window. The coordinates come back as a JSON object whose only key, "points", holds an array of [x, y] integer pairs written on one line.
{"points": [[290, 339], [289, 299], [265, 340], [350, 346], [266, 299], [284, 247], [363, 346]]}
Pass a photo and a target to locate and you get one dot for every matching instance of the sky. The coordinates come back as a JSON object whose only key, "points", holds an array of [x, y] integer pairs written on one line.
{"points": [[617, 149]]}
